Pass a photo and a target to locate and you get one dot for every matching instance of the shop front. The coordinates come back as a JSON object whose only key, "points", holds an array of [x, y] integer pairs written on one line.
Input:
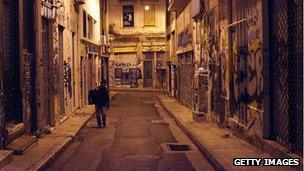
{"points": [[186, 73]]}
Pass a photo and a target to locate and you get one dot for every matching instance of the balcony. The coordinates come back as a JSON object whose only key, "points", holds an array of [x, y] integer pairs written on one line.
{"points": [[177, 5], [79, 2]]}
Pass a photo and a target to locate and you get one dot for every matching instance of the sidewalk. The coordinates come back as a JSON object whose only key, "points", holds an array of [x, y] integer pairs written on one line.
{"points": [[219, 146], [51, 145]]}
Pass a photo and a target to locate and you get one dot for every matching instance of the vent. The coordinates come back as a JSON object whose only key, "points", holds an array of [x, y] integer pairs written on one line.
{"points": [[179, 147]]}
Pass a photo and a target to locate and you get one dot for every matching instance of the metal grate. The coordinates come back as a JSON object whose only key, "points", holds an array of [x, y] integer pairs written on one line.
{"points": [[11, 80], [240, 73], [287, 72], [186, 77], [179, 147]]}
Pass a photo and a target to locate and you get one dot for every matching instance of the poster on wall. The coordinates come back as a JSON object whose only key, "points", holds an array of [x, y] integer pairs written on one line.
{"points": [[118, 72], [128, 15]]}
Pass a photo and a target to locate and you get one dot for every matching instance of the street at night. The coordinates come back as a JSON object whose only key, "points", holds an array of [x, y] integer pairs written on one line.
{"points": [[137, 127], [161, 85]]}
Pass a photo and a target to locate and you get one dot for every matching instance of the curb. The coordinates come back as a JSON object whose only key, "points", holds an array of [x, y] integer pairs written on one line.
{"points": [[131, 89], [44, 163], [115, 94], [210, 158], [6, 156]]}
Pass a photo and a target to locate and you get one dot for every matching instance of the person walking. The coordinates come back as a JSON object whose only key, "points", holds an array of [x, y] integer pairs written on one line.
{"points": [[102, 103]]}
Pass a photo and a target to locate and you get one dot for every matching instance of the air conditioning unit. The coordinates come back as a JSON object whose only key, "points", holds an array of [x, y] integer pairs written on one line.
{"points": [[103, 40], [79, 2]]}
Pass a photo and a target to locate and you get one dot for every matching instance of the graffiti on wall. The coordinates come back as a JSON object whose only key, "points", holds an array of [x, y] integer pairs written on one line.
{"points": [[111, 73], [55, 69], [184, 37], [255, 56], [68, 77], [248, 81], [27, 89], [248, 65], [126, 74]]}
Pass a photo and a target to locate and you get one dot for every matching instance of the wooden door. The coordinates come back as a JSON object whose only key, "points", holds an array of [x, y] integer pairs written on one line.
{"points": [[148, 70]]}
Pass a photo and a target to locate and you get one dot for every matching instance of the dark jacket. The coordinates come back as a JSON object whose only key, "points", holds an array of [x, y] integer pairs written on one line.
{"points": [[102, 97]]}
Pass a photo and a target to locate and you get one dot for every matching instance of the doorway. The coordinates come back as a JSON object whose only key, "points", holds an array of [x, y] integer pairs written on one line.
{"points": [[46, 69], [61, 72], [148, 70]]}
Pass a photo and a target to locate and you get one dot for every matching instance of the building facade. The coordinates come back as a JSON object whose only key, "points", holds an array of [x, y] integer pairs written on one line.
{"points": [[90, 61], [222, 66], [137, 43], [50, 58]]}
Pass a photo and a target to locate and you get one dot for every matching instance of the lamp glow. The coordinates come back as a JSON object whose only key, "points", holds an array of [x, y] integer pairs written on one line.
{"points": [[147, 7]]}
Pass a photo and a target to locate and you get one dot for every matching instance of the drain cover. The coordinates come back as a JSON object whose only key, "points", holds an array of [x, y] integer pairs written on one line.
{"points": [[179, 147], [176, 147]]}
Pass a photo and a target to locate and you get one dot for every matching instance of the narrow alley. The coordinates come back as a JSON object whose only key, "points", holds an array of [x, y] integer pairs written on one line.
{"points": [[193, 84], [138, 128]]}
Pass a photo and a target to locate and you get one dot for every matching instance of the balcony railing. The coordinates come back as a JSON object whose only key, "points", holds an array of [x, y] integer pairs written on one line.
{"points": [[176, 5]]}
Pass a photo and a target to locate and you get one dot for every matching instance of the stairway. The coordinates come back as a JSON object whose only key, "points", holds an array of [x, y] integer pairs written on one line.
{"points": [[20, 145]]}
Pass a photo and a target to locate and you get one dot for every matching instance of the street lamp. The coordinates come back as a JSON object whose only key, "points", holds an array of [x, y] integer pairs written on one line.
{"points": [[147, 7]]}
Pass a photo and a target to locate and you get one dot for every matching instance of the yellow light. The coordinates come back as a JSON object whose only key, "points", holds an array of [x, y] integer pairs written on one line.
{"points": [[147, 7]]}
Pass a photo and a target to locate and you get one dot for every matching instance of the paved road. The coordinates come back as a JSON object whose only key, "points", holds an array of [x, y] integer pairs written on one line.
{"points": [[133, 140]]}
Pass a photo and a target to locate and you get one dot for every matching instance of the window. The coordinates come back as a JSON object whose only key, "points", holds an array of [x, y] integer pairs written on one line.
{"points": [[128, 15], [88, 26], [105, 6], [91, 27], [149, 55], [84, 24], [149, 15], [160, 55]]}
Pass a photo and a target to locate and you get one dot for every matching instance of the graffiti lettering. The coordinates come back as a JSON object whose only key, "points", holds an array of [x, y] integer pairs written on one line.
{"points": [[68, 77]]}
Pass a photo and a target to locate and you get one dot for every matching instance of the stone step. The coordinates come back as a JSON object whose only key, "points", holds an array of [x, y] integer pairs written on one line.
{"points": [[20, 145], [6, 157]]}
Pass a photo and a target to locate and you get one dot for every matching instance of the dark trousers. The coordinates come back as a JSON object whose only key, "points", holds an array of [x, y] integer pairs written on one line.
{"points": [[100, 114]]}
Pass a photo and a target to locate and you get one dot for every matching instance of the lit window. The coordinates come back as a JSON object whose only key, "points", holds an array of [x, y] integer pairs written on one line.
{"points": [[149, 15], [88, 26]]}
